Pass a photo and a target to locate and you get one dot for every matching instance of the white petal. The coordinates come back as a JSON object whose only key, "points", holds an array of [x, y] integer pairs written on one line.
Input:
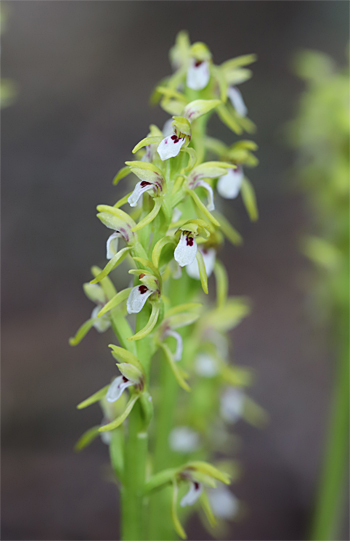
{"points": [[205, 366], [137, 298], [168, 128], [206, 186], [209, 257], [183, 440], [102, 323], [198, 76], [185, 251], [169, 147], [176, 214], [117, 388], [192, 495], [237, 100], [179, 344], [139, 189], [231, 406], [229, 185], [223, 503], [112, 245], [148, 155]]}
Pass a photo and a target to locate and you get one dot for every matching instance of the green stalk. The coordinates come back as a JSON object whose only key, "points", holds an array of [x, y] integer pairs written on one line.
{"points": [[330, 504]]}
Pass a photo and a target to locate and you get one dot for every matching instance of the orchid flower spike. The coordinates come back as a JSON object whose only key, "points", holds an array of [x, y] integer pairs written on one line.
{"points": [[236, 99], [229, 184]]}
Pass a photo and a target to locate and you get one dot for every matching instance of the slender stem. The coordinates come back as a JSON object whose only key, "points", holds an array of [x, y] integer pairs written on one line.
{"points": [[330, 502]]}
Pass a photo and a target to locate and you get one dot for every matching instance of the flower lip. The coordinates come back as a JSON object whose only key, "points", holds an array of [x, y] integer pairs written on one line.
{"points": [[229, 185], [193, 494], [186, 249]]}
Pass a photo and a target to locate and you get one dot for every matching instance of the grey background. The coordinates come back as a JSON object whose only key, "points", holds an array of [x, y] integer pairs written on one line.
{"points": [[85, 71]]}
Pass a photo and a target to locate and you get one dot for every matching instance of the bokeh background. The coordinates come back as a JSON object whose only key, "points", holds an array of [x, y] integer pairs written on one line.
{"points": [[84, 72]]}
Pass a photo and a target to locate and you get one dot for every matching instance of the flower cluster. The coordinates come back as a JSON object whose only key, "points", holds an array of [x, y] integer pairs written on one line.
{"points": [[172, 233]]}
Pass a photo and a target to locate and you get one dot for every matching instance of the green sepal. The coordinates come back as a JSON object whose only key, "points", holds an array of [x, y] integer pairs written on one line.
{"points": [[249, 199], [121, 354], [117, 299], [172, 106], [178, 373], [200, 51], [131, 372], [204, 501], [117, 422], [228, 230], [228, 316], [221, 283], [112, 264], [183, 308], [183, 319], [202, 271], [122, 201], [88, 437], [81, 332], [182, 125], [95, 293], [238, 62], [161, 479], [148, 328], [220, 79], [124, 172], [228, 119], [148, 264], [202, 207], [207, 469], [171, 93], [147, 141], [96, 397], [150, 217], [106, 283], [177, 524], [146, 171], [198, 108]]}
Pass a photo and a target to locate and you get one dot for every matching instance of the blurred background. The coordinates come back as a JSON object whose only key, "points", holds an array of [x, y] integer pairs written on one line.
{"points": [[84, 73]]}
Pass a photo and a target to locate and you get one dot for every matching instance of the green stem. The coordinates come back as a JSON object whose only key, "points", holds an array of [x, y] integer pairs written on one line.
{"points": [[135, 456], [330, 502]]}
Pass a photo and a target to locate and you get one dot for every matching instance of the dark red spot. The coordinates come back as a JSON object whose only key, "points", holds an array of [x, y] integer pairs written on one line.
{"points": [[144, 183], [143, 289], [173, 137], [198, 63], [142, 275], [125, 379], [196, 485], [189, 241]]}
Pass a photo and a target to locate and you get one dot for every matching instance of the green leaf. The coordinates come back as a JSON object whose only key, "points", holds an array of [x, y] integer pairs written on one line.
{"points": [[202, 271], [229, 231], [177, 524], [117, 299], [81, 332], [174, 368], [150, 217], [148, 328], [111, 265], [221, 283], [96, 397], [88, 437], [117, 422], [125, 171], [249, 199]]}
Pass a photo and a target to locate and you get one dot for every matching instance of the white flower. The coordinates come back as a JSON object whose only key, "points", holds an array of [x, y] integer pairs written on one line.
{"points": [[198, 75], [232, 404], [223, 503], [140, 188], [137, 298], [205, 366], [183, 440], [185, 251], [209, 257], [112, 244], [102, 323], [192, 495], [229, 185], [237, 101], [117, 387], [179, 345], [170, 146]]}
